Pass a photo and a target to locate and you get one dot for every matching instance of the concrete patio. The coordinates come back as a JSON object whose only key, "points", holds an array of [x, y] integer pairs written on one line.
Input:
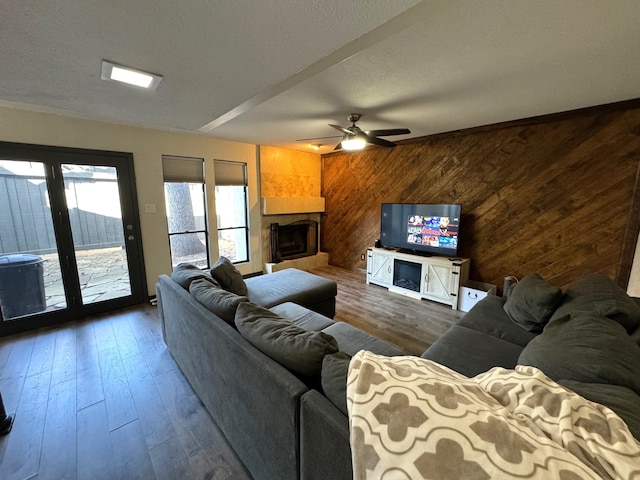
{"points": [[103, 275]]}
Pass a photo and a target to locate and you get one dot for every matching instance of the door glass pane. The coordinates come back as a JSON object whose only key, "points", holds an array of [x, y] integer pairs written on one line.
{"points": [[30, 276], [93, 202]]}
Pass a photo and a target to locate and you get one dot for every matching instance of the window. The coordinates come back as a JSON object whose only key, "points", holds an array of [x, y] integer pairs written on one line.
{"points": [[231, 210], [185, 200]]}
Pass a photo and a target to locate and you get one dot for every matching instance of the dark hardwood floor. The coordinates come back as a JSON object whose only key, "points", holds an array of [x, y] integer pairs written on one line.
{"points": [[102, 398], [411, 325]]}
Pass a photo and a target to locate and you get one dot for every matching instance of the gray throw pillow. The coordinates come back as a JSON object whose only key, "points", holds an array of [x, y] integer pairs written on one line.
{"points": [[585, 347], [219, 301], [228, 276], [293, 347], [335, 368], [597, 293], [185, 273], [532, 301]]}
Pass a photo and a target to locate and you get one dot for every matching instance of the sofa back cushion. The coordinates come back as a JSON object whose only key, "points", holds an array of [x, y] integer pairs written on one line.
{"points": [[228, 276], [224, 304], [585, 347], [532, 301], [599, 294], [471, 352], [185, 273], [295, 348], [488, 316]]}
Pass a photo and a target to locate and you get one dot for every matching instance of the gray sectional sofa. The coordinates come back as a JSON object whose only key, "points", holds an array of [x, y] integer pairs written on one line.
{"points": [[284, 412], [254, 399], [586, 338]]}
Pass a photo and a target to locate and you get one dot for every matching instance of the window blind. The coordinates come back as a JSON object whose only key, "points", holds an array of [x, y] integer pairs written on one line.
{"points": [[230, 173], [182, 169]]}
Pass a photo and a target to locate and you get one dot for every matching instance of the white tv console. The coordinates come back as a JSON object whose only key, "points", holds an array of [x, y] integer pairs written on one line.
{"points": [[432, 278]]}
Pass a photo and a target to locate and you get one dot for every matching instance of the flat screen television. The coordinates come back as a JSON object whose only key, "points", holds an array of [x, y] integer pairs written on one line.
{"points": [[421, 228]]}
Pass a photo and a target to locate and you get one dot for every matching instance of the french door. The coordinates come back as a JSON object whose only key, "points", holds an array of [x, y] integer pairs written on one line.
{"points": [[69, 235]]}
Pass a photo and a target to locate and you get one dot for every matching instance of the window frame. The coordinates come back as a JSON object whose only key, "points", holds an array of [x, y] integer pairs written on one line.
{"points": [[184, 170], [228, 178]]}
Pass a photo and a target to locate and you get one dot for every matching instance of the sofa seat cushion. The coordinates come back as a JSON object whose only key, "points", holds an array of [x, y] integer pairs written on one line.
{"points": [[293, 347], [351, 340], [488, 316], [289, 285], [217, 300], [471, 352], [301, 316], [586, 347]]}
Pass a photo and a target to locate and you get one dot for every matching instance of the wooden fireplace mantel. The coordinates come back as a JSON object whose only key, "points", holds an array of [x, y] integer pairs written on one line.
{"points": [[292, 205]]}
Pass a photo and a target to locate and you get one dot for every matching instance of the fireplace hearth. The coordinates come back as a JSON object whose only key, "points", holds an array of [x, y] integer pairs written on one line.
{"points": [[294, 240]]}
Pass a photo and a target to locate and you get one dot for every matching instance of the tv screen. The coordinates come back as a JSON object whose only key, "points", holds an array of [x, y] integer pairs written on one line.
{"points": [[430, 229]]}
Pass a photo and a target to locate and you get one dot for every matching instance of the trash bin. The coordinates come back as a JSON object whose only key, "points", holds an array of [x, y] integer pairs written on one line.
{"points": [[21, 285], [472, 292]]}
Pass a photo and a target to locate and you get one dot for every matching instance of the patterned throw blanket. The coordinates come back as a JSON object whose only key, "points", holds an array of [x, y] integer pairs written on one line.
{"points": [[411, 418]]}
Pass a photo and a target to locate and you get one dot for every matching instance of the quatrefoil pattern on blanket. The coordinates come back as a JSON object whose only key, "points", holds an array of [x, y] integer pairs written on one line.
{"points": [[411, 418]]}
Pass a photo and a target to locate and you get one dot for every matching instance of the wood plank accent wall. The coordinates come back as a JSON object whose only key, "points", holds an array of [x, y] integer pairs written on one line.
{"points": [[554, 195]]}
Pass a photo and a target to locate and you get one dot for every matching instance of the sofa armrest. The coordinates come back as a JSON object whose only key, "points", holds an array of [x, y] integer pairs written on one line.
{"points": [[160, 311], [325, 451]]}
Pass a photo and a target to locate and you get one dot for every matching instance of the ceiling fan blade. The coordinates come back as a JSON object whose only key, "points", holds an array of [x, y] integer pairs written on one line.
{"points": [[342, 129], [317, 138], [390, 131], [381, 141], [338, 147]]}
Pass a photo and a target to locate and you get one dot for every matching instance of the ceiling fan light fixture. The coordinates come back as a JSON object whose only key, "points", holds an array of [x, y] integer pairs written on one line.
{"points": [[130, 76], [353, 142]]}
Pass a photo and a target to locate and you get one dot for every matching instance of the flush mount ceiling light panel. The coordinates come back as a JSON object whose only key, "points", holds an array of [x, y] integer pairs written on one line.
{"points": [[130, 76]]}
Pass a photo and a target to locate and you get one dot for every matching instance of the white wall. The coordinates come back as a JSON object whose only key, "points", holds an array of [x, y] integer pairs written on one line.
{"points": [[147, 147], [633, 289]]}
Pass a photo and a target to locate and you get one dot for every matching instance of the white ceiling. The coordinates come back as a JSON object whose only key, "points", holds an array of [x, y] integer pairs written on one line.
{"points": [[274, 71]]}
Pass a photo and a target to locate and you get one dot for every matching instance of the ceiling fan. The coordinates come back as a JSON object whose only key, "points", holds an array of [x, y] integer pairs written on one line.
{"points": [[354, 138]]}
